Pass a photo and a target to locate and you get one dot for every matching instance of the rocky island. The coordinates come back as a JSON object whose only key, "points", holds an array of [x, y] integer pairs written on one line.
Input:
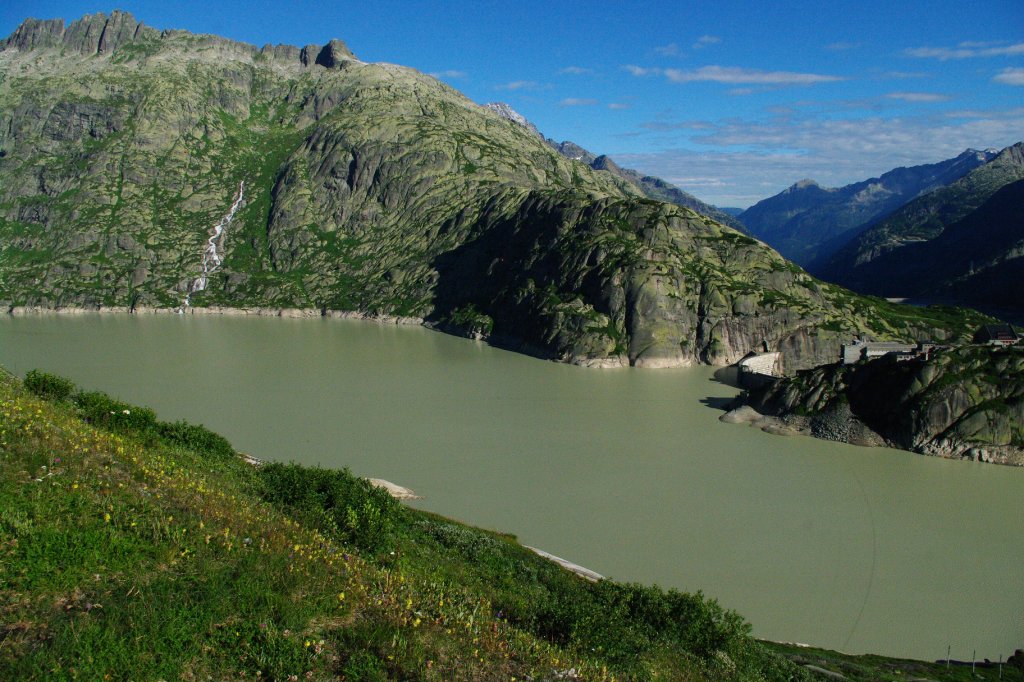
{"points": [[965, 402]]}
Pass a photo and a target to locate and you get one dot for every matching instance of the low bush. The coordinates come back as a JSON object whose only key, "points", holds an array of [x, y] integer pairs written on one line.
{"points": [[197, 438], [100, 409], [49, 386], [362, 514]]}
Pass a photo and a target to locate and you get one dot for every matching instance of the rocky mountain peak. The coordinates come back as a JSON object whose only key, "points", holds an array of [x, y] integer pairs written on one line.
{"points": [[35, 33], [603, 162], [571, 150], [92, 34], [507, 112], [333, 54]]}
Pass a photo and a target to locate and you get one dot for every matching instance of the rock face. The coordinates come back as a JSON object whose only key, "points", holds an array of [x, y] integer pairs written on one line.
{"points": [[650, 186], [962, 243], [374, 189], [967, 402], [807, 222]]}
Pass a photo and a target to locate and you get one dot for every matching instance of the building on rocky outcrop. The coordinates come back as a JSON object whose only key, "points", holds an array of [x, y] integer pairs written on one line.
{"points": [[758, 369], [866, 350], [997, 335]]}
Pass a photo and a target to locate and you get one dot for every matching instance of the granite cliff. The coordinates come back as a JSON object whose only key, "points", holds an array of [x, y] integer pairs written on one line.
{"points": [[966, 402]]}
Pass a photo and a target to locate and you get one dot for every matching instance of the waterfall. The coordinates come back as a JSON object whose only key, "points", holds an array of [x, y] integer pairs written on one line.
{"points": [[213, 253]]}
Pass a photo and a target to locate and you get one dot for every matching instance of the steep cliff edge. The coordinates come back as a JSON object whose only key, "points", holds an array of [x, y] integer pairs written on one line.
{"points": [[966, 402], [370, 188]]}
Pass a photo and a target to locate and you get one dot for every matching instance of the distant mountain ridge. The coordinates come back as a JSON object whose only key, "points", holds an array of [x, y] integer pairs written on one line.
{"points": [[963, 243], [807, 222], [652, 187]]}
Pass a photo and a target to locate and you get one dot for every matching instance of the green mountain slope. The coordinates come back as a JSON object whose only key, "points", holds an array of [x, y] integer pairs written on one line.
{"points": [[330, 184], [650, 186], [807, 222], [949, 244]]}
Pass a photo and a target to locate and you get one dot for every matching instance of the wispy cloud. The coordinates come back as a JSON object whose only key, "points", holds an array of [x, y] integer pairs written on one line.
{"points": [[450, 73], [966, 50], [575, 70], [902, 75], [520, 85], [735, 75], [754, 159], [919, 97], [841, 46], [670, 50], [1010, 76], [1017, 112], [666, 126], [617, 106], [639, 71], [705, 41], [577, 102]]}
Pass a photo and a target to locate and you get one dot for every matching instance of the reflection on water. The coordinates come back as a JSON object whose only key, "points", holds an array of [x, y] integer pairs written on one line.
{"points": [[627, 472]]}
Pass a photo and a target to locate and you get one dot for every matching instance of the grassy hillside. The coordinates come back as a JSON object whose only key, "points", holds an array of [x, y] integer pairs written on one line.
{"points": [[134, 548]]}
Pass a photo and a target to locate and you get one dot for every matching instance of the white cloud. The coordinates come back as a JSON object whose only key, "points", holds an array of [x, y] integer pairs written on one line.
{"points": [[966, 50], [841, 46], [740, 76], [1010, 76], [520, 85], [756, 159], [618, 105], [639, 71], [450, 73], [986, 113], [575, 70], [901, 75], [670, 50], [918, 97], [577, 102], [704, 41]]}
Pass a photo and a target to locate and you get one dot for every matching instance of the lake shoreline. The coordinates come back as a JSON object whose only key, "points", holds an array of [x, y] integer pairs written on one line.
{"points": [[259, 311]]}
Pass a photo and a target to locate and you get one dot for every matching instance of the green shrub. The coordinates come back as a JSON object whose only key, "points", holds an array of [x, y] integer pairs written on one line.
{"points": [[197, 438], [362, 514], [100, 409], [49, 386]]}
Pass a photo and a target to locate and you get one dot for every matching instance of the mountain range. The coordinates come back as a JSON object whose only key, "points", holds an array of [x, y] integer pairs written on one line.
{"points": [[808, 222], [146, 169], [962, 243]]}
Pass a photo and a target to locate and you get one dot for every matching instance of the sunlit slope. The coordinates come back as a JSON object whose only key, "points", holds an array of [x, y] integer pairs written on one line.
{"points": [[369, 188]]}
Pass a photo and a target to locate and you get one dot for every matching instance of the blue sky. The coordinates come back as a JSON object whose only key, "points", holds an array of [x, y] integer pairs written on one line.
{"points": [[731, 103]]}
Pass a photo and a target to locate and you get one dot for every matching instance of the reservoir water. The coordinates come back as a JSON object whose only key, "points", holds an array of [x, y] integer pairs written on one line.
{"points": [[627, 472]]}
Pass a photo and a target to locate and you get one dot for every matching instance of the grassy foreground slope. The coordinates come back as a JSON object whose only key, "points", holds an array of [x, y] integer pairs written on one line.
{"points": [[136, 549]]}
